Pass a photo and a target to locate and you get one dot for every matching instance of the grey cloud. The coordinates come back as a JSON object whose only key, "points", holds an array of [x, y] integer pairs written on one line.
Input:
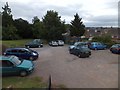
{"points": [[112, 4], [29, 10], [107, 20]]}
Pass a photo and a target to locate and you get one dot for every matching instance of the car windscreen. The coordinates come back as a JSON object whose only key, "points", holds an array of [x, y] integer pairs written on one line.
{"points": [[116, 46], [80, 43], [16, 60], [29, 50], [84, 48]]}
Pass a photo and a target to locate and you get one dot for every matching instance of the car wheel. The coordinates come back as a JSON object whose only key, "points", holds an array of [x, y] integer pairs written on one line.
{"points": [[79, 55], [31, 58], [28, 46], [88, 56], [39, 46], [95, 48], [105, 48], [23, 73], [70, 52]]}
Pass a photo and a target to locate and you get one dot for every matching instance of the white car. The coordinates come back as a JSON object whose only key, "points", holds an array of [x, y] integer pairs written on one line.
{"points": [[60, 42], [53, 43]]}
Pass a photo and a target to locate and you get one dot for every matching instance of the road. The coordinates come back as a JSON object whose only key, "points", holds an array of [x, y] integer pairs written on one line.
{"points": [[100, 70]]}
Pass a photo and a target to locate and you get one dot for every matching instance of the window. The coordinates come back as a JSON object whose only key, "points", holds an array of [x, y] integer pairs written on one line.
{"points": [[9, 51], [6, 63], [21, 51], [16, 61], [14, 51]]}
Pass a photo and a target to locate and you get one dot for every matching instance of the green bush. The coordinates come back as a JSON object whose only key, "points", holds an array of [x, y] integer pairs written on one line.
{"points": [[104, 39]]}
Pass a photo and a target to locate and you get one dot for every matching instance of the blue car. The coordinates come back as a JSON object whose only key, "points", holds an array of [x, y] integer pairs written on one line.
{"points": [[97, 46], [23, 53], [12, 65], [115, 48]]}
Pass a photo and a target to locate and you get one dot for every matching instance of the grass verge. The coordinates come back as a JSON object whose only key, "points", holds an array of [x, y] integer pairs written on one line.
{"points": [[16, 43], [23, 82]]}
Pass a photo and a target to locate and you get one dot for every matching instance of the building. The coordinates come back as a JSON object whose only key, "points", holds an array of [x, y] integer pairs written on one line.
{"points": [[114, 32]]}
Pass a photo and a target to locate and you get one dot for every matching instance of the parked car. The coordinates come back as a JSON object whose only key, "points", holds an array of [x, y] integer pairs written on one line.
{"points": [[78, 44], [23, 53], [97, 46], [60, 42], [53, 43], [80, 51], [12, 65], [115, 48], [36, 43]]}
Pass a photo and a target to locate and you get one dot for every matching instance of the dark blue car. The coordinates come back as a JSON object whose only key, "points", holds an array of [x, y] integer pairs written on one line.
{"points": [[23, 53], [115, 48], [97, 46], [80, 51], [36, 43]]}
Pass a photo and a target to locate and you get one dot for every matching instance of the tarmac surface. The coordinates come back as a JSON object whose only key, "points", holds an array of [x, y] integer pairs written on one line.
{"points": [[100, 70]]}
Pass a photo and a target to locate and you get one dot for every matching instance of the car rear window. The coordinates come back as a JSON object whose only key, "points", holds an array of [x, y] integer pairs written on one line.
{"points": [[8, 51], [22, 51], [14, 51], [85, 49]]}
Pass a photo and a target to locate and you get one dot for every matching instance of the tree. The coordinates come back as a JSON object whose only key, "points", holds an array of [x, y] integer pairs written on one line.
{"points": [[77, 28], [6, 16], [9, 33], [35, 19], [24, 29], [53, 26], [37, 28], [8, 29]]}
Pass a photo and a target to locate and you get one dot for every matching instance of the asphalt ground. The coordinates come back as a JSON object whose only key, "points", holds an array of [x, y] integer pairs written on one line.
{"points": [[100, 70]]}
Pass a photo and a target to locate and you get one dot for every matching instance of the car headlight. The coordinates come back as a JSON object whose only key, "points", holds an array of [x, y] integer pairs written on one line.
{"points": [[30, 68], [34, 54]]}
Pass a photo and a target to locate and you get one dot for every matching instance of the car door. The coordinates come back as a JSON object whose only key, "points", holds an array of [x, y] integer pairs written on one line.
{"points": [[13, 52], [76, 50], [24, 54], [8, 68], [100, 46]]}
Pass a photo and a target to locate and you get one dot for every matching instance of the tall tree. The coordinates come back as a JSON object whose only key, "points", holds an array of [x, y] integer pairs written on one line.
{"points": [[6, 15], [9, 30], [23, 27], [53, 26], [37, 28], [35, 19], [77, 27]]}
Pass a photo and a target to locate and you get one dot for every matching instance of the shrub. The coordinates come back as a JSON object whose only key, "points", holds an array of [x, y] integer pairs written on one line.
{"points": [[104, 39]]}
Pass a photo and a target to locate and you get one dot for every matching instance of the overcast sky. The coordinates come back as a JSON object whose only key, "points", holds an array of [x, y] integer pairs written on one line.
{"points": [[93, 12]]}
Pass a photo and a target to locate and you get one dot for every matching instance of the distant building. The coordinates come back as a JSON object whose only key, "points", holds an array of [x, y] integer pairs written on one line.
{"points": [[114, 32]]}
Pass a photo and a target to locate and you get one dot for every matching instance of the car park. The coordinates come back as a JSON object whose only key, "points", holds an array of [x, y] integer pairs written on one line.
{"points": [[23, 53], [115, 48], [12, 65], [97, 46], [36, 43], [80, 51], [53, 43], [60, 42]]}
